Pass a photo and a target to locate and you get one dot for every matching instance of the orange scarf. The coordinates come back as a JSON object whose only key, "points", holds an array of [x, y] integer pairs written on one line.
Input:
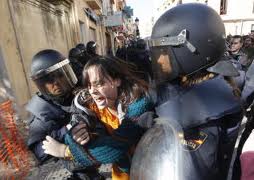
{"points": [[111, 122]]}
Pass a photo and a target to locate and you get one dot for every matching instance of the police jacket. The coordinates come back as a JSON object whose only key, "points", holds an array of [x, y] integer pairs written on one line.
{"points": [[206, 112], [248, 89], [47, 118]]}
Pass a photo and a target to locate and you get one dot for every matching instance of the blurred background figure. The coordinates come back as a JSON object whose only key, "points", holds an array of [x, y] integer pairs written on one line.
{"points": [[248, 47], [76, 58], [91, 48], [236, 49], [237, 53], [84, 56], [121, 52], [138, 55]]}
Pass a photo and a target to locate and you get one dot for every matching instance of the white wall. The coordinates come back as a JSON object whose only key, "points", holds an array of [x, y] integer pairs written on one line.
{"points": [[239, 16], [238, 28], [237, 20]]}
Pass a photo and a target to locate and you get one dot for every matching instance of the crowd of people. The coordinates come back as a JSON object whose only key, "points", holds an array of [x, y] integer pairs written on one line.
{"points": [[136, 52], [240, 49], [173, 111]]}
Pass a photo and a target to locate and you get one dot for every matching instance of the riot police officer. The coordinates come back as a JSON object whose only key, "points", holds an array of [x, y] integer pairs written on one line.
{"points": [[138, 55], [194, 90], [81, 47], [50, 108], [91, 47], [77, 62], [84, 56]]}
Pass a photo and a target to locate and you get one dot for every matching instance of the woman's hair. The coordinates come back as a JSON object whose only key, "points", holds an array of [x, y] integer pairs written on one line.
{"points": [[131, 86], [204, 75]]}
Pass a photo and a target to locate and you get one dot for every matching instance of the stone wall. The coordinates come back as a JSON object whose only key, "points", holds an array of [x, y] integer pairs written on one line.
{"points": [[28, 26]]}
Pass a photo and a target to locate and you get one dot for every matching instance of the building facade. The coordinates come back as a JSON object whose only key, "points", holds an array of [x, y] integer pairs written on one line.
{"points": [[28, 26], [238, 16]]}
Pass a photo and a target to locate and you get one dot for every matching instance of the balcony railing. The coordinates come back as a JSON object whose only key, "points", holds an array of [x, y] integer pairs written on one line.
{"points": [[94, 4]]}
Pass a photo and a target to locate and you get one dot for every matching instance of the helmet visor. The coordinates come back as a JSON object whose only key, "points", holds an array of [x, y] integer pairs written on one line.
{"points": [[58, 82], [164, 68]]}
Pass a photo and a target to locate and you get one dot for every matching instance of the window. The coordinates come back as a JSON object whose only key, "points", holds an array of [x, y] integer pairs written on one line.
{"points": [[252, 27], [92, 34], [253, 8], [223, 7], [82, 31], [236, 29]]}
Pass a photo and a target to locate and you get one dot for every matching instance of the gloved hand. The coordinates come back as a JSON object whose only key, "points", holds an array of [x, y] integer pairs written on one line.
{"points": [[53, 147], [80, 133], [249, 143]]}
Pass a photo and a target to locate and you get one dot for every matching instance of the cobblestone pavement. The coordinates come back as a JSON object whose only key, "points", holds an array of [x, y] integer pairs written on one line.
{"points": [[56, 171]]}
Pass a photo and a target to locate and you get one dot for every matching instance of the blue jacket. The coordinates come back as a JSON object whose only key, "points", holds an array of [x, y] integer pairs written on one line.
{"points": [[207, 112], [47, 118]]}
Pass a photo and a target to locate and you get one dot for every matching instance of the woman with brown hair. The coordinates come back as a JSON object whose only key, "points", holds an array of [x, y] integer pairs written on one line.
{"points": [[121, 103]]}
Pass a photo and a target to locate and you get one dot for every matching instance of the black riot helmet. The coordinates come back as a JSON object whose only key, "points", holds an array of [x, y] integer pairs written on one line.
{"points": [[75, 53], [91, 47], [132, 44], [186, 39], [52, 74], [141, 44], [81, 47]]}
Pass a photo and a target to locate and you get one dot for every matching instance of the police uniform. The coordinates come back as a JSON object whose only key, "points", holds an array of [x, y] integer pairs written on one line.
{"points": [[47, 118], [187, 44], [51, 109], [206, 112]]}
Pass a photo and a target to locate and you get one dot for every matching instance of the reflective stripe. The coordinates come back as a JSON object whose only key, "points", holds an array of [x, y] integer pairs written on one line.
{"points": [[57, 66], [50, 69]]}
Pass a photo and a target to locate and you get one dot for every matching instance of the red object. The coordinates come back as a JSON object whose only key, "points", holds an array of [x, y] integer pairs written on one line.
{"points": [[14, 155], [117, 28], [247, 165]]}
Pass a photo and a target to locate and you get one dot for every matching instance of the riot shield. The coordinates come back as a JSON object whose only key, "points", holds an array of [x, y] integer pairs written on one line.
{"points": [[159, 154]]}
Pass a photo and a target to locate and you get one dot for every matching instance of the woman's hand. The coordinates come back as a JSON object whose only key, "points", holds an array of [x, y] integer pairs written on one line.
{"points": [[53, 147], [80, 133]]}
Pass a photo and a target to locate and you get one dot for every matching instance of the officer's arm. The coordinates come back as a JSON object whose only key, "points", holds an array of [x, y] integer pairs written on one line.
{"points": [[37, 134], [58, 134], [248, 90], [38, 130], [107, 149], [39, 152]]}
